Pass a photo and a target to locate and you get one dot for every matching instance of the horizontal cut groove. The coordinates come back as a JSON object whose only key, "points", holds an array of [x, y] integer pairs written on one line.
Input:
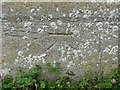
{"points": [[13, 35], [63, 34]]}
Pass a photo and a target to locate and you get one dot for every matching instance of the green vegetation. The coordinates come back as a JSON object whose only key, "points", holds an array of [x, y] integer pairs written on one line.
{"points": [[32, 80]]}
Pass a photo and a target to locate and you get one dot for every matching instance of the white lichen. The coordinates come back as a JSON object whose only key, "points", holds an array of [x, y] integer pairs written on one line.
{"points": [[40, 30], [54, 25], [71, 63], [27, 24], [20, 53], [32, 10], [59, 22]]}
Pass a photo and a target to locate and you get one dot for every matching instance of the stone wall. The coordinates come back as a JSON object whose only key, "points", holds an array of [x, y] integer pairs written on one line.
{"points": [[80, 36]]}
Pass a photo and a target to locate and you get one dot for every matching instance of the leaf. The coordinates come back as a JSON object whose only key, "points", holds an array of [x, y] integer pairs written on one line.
{"points": [[104, 85], [8, 76], [42, 84], [34, 71]]}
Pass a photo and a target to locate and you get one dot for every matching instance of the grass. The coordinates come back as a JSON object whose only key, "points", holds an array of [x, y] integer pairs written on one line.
{"points": [[32, 80]]}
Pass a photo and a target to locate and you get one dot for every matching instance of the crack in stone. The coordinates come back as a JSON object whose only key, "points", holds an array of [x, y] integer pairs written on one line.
{"points": [[60, 34], [50, 46]]}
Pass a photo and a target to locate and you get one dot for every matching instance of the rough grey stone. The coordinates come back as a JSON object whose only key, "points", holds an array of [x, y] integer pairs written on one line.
{"points": [[80, 36]]}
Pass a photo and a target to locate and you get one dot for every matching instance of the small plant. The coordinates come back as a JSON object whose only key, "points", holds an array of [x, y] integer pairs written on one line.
{"points": [[103, 85], [63, 82], [53, 67], [32, 80], [8, 81], [42, 84], [34, 72], [22, 80]]}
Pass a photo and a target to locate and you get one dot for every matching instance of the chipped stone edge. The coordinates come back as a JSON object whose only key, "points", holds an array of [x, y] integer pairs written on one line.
{"points": [[108, 1], [0, 42], [0, 36]]}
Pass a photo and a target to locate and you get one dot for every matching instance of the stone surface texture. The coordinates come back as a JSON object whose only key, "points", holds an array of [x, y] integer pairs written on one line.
{"points": [[80, 36]]}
